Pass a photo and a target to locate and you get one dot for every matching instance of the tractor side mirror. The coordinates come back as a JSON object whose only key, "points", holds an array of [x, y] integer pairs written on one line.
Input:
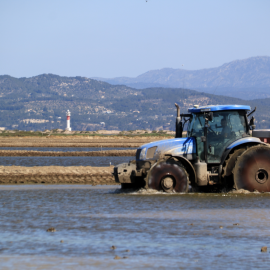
{"points": [[209, 116], [252, 123]]}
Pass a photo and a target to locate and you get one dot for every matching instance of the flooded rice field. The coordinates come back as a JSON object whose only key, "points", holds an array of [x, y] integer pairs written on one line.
{"points": [[101, 227], [95, 161], [66, 149]]}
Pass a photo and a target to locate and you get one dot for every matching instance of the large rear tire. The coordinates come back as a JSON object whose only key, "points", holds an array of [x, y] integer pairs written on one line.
{"points": [[168, 175], [252, 169], [229, 164]]}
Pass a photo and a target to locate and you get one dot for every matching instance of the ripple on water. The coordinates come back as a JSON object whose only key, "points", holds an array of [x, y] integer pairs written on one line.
{"points": [[63, 161], [166, 231]]}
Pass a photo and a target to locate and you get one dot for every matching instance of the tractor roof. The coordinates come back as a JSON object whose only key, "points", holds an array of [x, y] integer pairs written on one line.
{"points": [[212, 108]]}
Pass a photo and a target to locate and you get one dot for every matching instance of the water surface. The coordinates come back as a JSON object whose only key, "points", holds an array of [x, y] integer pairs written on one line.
{"points": [[193, 231], [63, 161]]}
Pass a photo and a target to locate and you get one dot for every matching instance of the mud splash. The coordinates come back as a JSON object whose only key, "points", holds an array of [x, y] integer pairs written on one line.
{"points": [[144, 191], [141, 191]]}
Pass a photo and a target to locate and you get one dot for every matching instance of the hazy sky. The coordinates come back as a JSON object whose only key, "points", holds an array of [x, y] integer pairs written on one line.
{"points": [[112, 38]]}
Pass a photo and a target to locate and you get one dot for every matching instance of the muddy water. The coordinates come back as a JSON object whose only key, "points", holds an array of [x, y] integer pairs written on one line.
{"points": [[63, 161], [156, 229]]}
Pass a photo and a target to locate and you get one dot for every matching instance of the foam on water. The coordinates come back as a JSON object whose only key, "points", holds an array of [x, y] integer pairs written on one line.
{"points": [[148, 191], [141, 191]]}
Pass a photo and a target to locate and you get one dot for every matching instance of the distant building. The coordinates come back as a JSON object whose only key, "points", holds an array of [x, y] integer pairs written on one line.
{"points": [[34, 121], [68, 121]]}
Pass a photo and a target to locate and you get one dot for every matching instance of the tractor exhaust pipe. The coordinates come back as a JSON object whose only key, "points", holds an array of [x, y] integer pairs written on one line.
{"points": [[178, 123]]}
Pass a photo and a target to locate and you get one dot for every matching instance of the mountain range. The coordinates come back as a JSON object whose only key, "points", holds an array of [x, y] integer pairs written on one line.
{"points": [[245, 79], [41, 102]]}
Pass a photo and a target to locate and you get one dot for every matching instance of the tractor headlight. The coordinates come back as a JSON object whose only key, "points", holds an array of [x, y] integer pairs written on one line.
{"points": [[151, 152], [143, 154]]}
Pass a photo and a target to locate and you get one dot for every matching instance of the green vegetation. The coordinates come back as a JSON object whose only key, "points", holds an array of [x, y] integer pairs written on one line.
{"points": [[40, 103], [19, 133]]}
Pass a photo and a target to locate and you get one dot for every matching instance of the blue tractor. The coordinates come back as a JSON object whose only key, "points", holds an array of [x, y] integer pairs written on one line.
{"points": [[218, 152]]}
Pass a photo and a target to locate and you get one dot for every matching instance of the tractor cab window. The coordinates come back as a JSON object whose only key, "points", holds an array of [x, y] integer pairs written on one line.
{"points": [[226, 127], [227, 124], [196, 125]]}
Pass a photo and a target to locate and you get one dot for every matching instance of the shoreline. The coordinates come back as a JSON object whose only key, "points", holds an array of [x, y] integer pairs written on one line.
{"points": [[123, 142], [19, 175]]}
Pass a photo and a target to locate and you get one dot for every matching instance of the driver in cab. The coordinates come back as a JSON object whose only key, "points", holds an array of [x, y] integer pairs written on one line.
{"points": [[225, 129]]}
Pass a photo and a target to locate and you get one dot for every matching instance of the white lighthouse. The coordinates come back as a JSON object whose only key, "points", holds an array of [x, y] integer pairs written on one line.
{"points": [[68, 121]]}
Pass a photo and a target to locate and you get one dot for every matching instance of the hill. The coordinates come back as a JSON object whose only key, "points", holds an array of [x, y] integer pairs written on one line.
{"points": [[246, 79], [40, 103]]}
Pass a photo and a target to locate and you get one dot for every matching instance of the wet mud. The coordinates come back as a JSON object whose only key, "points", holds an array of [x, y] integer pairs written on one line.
{"points": [[149, 191], [76, 142], [39, 167], [63, 144], [10, 175]]}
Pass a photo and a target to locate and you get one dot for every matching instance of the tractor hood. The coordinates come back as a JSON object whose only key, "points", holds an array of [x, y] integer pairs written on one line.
{"points": [[176, 147]]}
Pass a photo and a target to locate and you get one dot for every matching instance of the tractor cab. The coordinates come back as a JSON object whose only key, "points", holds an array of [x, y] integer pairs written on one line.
{"points": [[218, 152], [216, 127]]}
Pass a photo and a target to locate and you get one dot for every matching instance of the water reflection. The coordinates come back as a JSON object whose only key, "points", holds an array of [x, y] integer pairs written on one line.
{"points": [[63, 161], [166, 231]]}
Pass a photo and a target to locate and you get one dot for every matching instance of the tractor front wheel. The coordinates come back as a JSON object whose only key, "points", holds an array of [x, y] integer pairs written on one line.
{"points": [[168, 175]]}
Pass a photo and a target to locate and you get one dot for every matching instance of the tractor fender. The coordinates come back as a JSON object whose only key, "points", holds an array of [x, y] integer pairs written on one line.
{"points": [[189, 168], [186, 163], [239, 144]]}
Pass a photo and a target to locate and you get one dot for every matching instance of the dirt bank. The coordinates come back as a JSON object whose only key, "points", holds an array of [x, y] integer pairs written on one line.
{"points": [[56, 175], [76, 142], [104, 145], [24, 153]]}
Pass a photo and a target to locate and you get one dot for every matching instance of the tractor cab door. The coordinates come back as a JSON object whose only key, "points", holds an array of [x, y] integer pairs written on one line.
{"points": [[224, 128], [196, 130]]}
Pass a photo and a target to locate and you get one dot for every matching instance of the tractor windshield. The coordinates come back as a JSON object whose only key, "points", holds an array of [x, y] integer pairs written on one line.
{"points": [[226, 127]]}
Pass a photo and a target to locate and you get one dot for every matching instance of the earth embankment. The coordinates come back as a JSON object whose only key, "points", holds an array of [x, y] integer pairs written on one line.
{"points": [[10, 175], [66, 175], [76, 142]]}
